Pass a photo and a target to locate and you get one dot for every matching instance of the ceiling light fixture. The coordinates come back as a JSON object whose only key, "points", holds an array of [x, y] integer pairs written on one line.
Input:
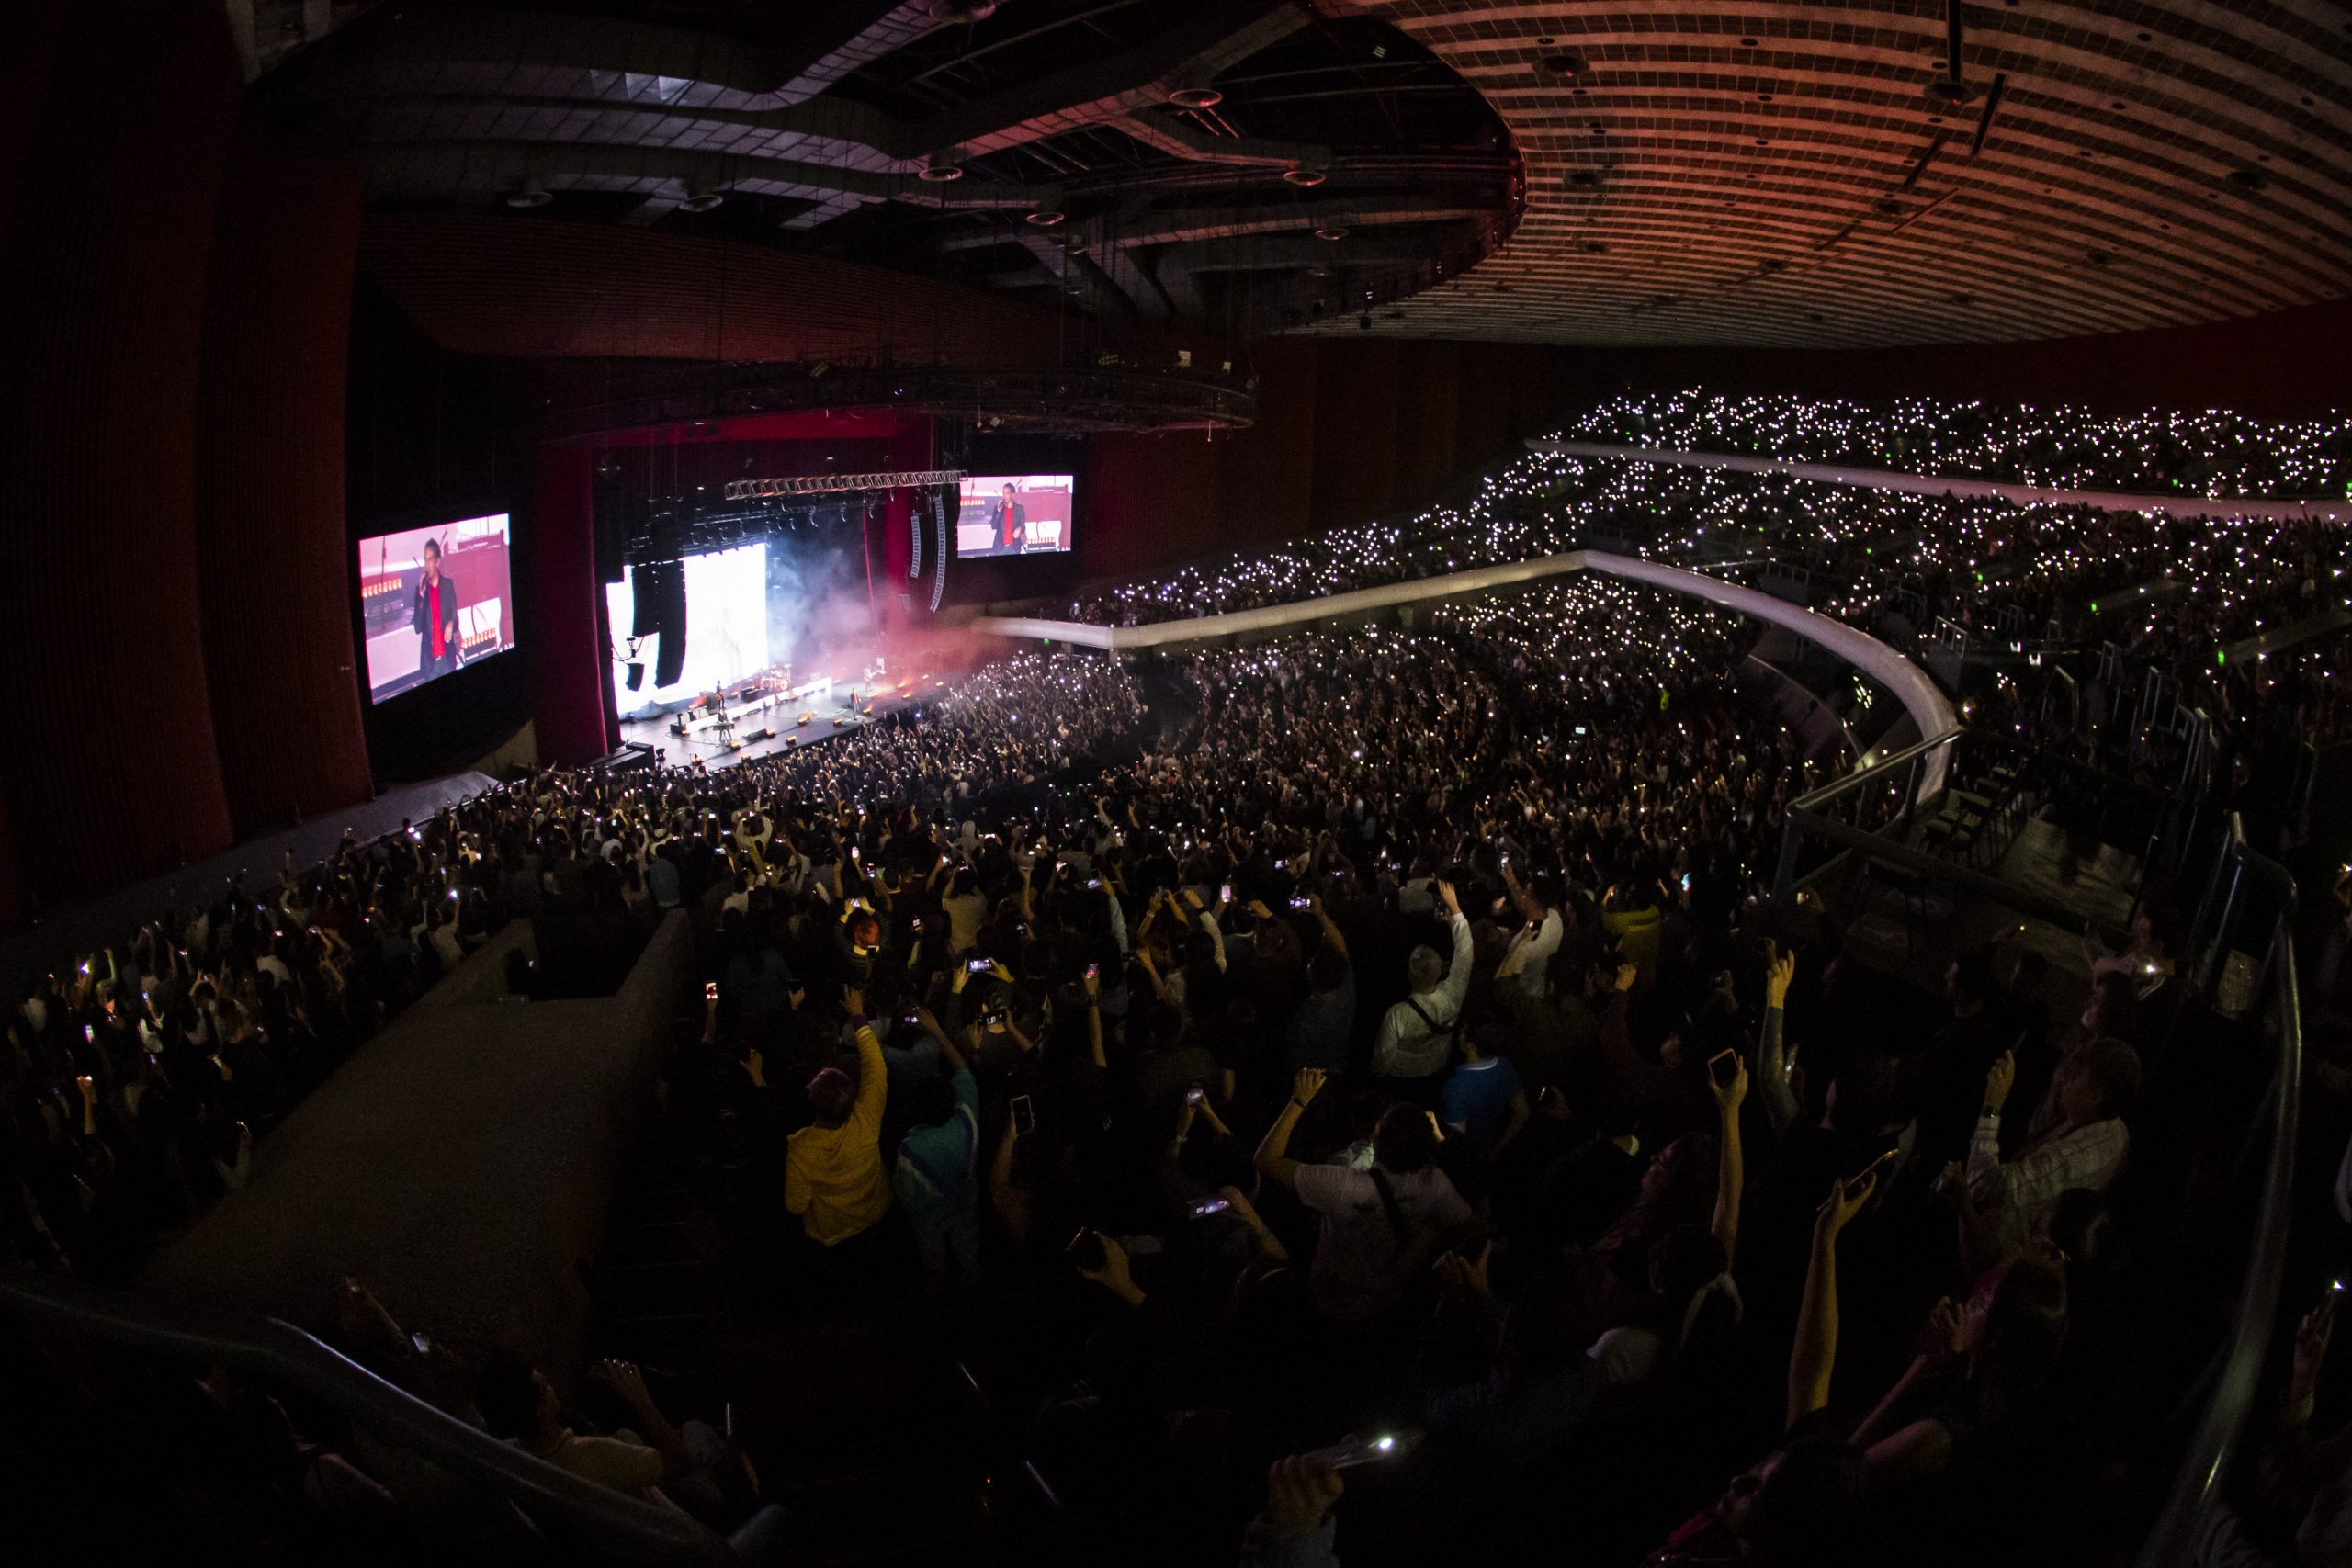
{"points": [[1196, 96], [1333, 230], [1047, 213], [1307, 174], [522, 201], [702, 201], [942, 167]]}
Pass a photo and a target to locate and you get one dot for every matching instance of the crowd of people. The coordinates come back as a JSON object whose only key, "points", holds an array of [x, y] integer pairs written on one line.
{"points": [[1367, 1064], [2213, 452]]}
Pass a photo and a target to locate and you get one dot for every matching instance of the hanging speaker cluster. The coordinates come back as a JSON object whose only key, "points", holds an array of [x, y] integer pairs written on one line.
{"points": [[658, 588]]}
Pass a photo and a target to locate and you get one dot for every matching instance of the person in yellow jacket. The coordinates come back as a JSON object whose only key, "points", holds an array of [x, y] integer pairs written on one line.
{"points": [[833, 1174]]}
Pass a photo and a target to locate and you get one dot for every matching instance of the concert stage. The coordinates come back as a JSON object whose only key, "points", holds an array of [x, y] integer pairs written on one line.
{"points": [[787, 720]]}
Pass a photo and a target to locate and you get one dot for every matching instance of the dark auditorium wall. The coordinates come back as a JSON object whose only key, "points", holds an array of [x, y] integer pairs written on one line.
{"points": [[272, 563], [535, 289], [2289, 363], [113, 771]]}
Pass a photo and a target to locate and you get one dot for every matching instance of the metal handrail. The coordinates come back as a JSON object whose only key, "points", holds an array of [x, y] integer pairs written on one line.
{"points": [[622, 1526], [2196, 1491]]}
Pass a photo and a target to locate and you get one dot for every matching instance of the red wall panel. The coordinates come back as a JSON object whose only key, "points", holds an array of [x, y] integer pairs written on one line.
{"points": [[1266, 483], [568, 659], [273, 568], [113, 773], [529, 289], [1428, 401], [1154, 499], [1355, 420]]}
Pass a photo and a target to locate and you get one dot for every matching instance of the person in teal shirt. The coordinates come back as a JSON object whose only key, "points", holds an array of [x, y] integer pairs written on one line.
{"points": [[935, 1182]]}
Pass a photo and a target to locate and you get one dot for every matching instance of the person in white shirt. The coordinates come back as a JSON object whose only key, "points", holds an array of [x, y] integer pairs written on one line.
{"points": [[2094, 1086], [1415, 1044], [1529, 959]]}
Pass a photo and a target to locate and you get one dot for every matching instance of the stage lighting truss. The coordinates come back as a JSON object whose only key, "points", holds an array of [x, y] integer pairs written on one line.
{"points": [[838, 484]]}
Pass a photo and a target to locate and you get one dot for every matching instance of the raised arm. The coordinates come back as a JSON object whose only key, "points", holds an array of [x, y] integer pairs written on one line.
{"points": [[1094, 1020], [1332, 938], [1730, 1170], [1814, 1355], [1774, 1069], [1456, 984], [1012, 1204], [1273, 1160]]}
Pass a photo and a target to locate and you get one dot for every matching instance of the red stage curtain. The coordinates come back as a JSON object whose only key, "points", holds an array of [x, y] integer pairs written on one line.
{"points": [[111, 773], [273, 566], [569, 666]]}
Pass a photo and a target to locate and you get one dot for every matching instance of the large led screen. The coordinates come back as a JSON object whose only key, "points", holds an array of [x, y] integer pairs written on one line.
{"points": [[432, 601], [1014, 514]]}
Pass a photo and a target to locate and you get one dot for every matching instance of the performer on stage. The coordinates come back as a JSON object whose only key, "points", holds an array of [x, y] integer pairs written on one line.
{"points": [[1011, 523], [435, 617]]}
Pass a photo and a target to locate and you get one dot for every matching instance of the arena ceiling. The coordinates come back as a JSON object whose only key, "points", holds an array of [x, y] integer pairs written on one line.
{"points": [[1603, 172], [1810, 174]]}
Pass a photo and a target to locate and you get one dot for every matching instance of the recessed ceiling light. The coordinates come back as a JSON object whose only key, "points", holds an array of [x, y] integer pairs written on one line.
{"points": [[702, 201], [1564, 65], [529, 198], [1747, 43], [1332, 232]]}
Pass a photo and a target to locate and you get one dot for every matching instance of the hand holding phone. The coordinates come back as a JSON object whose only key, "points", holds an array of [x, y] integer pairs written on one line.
{"points": [[710, 990], [1196, 1093], [1373, 1450], [979, 967], [1086, 1253], [1024, 1115], [1207, 1206]]}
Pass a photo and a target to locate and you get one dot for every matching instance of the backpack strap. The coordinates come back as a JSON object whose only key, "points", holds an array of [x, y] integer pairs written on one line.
{"points": [[1437, 1031]]}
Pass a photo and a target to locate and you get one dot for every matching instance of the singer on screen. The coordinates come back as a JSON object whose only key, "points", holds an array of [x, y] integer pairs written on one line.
{"points": [[435, 617], [1011, 523]]}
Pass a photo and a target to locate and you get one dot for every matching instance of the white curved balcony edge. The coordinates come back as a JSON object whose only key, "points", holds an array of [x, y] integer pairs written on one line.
{"points": [[1920, 697]]}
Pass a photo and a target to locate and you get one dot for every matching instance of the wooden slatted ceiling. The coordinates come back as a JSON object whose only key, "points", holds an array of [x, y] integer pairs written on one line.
{"points": [[1753, 174]]}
